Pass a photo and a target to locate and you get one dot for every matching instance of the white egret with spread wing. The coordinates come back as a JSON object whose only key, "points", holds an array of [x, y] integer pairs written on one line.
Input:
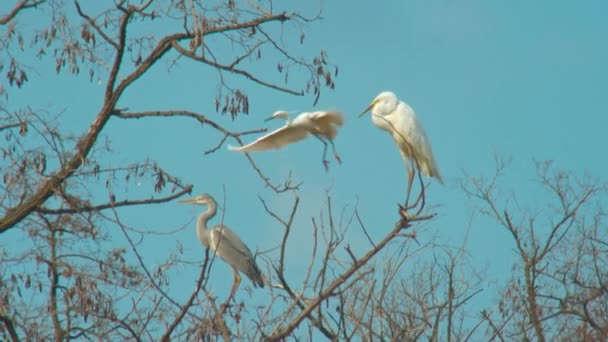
{"points": [[226, 244], [321, 124], [399, 119]]}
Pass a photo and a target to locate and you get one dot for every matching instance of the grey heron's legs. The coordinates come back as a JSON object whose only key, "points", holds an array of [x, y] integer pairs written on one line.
{"points": [[235, 285]]}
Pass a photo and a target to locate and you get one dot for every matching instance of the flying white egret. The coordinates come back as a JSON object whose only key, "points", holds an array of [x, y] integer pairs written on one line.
{"points": [[321, 124], [399, 119], [226, 244]]}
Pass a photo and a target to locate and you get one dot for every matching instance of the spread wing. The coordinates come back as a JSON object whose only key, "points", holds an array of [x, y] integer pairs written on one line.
{"points": [[330, 117], [274, 140], [326, 122]]}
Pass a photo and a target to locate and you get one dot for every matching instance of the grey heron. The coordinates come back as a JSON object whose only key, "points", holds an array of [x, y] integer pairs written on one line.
{"points": [[226, 244]]}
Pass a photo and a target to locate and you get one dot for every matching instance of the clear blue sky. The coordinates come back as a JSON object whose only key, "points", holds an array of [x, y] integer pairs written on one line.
{"points": [[525, 79]]}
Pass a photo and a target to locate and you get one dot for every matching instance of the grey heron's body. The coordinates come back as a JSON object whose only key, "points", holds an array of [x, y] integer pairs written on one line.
{"points": [[225, 243]]}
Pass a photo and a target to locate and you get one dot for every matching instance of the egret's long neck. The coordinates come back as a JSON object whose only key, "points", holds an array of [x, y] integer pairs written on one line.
{"points": [[201, 224]]}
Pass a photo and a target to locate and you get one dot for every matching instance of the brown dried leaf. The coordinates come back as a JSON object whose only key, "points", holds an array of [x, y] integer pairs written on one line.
{"points": [[23, 128], [160, 181]]}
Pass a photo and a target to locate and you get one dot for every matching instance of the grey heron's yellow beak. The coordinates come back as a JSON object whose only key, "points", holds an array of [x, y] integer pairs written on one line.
{"points": [[188, 201], [371, 105]]}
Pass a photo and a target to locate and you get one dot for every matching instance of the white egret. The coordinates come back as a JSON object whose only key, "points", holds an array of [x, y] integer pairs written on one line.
{"points": [[226, 244], [321, 124], [399, 119]]}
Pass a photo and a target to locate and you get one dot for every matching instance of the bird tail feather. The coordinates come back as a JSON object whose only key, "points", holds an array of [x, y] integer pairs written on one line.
{"points": [[256, 276]]}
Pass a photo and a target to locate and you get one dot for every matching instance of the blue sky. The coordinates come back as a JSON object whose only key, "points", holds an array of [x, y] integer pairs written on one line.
{"points": [[522, 79]]}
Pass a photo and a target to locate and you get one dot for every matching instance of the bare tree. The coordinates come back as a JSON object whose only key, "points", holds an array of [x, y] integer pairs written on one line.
{"points": [[105, 44], [558, 287], [65, 281], [336, 274]]}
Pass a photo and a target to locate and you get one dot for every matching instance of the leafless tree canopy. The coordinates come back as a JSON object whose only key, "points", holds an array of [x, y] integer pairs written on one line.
{"points": [[558, 290], [65, 275]]}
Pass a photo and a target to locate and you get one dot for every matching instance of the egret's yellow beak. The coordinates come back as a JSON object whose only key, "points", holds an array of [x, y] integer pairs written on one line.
{"points": [[188, 201], [371, 105]]}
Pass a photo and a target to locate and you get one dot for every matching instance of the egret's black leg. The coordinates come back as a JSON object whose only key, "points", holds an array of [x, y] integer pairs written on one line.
{"points": [[333, 148], [325, 162], [411, 169]]}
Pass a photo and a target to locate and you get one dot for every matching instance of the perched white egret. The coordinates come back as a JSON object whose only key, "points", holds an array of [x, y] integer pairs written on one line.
{"points": [[321, 124], [226, 244], [399, 119]]}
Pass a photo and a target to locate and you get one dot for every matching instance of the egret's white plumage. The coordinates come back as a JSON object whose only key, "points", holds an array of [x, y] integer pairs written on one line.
{"points": [[225, 244], [322, 124], [399, 119]]}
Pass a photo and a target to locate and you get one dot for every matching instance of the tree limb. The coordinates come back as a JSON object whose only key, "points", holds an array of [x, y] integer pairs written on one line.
{"points": [[20, 6], [10, 327], [88, 208]]}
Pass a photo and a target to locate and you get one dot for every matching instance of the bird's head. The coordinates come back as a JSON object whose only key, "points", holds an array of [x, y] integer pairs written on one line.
{"points": [[283, 114], [386, 102], [204, 199]]}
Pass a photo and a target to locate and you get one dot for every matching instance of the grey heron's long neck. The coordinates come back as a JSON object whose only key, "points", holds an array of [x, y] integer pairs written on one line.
{"points": [[201, 224]]}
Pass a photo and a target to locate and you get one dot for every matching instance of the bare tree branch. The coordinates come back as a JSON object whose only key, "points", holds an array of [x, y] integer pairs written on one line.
{"points": [[331, 288], [24, 4], [234, 70], [10, 327]]}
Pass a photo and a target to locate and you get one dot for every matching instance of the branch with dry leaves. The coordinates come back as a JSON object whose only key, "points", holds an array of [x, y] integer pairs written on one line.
{"points": [[84, 146], [114, 29], [226, 134], [22, 5], [10, 327]]}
